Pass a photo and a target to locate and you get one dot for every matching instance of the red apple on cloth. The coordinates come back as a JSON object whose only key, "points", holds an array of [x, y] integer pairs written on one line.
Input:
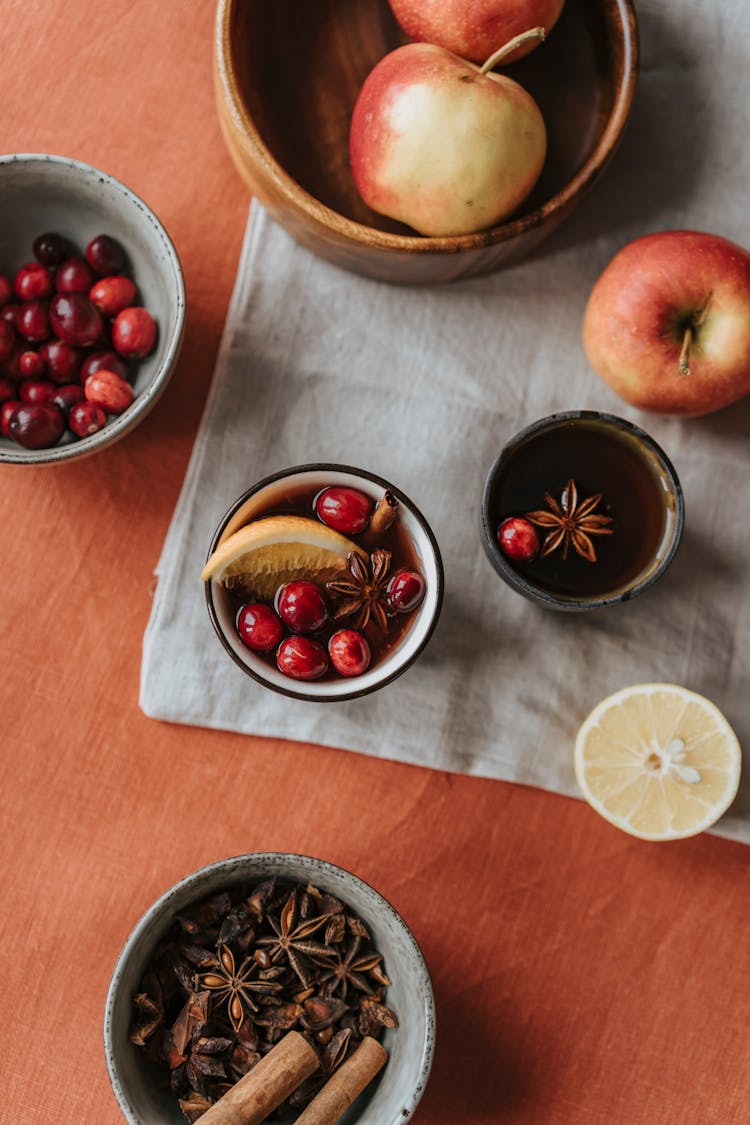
{"points": [[667, 324], [445, 146], [473, 29]]}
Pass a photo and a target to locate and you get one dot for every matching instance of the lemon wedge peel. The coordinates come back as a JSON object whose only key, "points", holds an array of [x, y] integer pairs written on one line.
{"points": [[267, 552], [658, 761]]}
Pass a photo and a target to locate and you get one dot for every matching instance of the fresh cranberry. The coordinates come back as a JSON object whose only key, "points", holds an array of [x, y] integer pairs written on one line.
{"points": [[7, 390], [33, 321], [6, 290], [7, 410], [134, 333], [112, 294], [344, 509], [51, 249], [349, 652], [405, 591], [12, 367], [302, 658], [36, 390], [109, 391], [105, 255], [74, 319], [74, 276], [259, 627], [85, 418], [7, 340], [518, 539], [67, 396], [63, 361], [37, 425], [299, 604], [104, 361], [33, 282], [31, 365], [9, 313]]}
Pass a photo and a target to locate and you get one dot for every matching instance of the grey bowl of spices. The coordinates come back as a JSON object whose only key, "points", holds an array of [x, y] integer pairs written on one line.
{"points": [[142, 1089]]}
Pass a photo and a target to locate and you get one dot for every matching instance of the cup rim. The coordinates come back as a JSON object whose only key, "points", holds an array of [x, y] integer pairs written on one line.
{"points": [[399, 668], [311, 865], [545, 597], [119, 426]]}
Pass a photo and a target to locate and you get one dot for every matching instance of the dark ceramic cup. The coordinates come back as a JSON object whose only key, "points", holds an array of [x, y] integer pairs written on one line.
{"points": [[641, 494], [271, 492]]}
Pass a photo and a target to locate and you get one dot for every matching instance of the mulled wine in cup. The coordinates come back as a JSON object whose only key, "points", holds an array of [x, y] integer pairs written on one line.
{"points": [[323, 582], [582, 510]]}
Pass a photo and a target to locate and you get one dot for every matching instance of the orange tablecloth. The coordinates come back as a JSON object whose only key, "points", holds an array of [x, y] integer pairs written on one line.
{"points": [[581, 976]]}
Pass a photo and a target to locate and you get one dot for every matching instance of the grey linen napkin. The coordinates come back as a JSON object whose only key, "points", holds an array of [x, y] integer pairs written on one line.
{"points": [[424, 386]]}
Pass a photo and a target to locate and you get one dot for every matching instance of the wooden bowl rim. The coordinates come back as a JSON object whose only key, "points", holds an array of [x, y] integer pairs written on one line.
{"points": [[302, 200]]}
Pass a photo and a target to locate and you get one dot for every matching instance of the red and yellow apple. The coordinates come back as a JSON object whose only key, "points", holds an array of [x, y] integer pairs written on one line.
{"points": [[440, 145], [667, 324], [473, 29]]}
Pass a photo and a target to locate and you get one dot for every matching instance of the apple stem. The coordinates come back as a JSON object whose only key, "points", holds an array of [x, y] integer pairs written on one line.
{"points": [[687, 340], [508, 48]]}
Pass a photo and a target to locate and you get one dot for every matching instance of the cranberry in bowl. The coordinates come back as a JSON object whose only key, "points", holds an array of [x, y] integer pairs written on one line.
{"points": [[323, 582]]}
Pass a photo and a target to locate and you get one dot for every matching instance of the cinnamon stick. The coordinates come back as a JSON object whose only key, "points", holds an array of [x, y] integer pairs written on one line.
{"points": [[277, 1075], [345, 1084], [384, 515]]}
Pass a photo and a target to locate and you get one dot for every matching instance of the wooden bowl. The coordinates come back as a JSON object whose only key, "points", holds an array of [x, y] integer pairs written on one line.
{"points": [[288, 73]]}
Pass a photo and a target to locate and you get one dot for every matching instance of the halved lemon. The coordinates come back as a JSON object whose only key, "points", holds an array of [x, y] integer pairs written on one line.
{"points": [[658, 761], [264, 554]]}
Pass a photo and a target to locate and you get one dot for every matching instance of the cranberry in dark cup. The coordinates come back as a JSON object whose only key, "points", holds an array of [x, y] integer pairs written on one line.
{"points": [[36, 390], [112, 294], [134, 333], [518, 539], [7, 389], [9, 313], [302, 658], [103, 361], [259, 627], [301, 606], [345, 509], [109, 391], [7, 410]]}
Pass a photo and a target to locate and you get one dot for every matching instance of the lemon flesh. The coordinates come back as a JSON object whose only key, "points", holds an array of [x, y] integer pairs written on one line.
{"points": [[266, 553], [658, 761]]}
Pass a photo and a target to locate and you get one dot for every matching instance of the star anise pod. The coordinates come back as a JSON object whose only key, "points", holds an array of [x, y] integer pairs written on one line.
{"points": [[346, 968], [363, 593], [570, 523], [291, 940], [236, 986]]}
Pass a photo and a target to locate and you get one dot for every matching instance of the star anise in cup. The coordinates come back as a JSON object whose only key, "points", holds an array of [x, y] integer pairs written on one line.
{"points": [[571, 523], [363, 594]]}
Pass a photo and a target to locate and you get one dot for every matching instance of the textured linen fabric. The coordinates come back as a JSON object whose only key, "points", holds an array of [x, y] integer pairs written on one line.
{"points": [[424, 386], [580, 976]]}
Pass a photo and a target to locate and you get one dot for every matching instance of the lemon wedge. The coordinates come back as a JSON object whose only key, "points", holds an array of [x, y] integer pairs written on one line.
{"points": [[658, 761], [264, 554]]}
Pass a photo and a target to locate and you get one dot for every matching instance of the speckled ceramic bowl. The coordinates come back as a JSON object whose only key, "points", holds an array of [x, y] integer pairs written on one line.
{"points": [[382, 672], [52, 193], [390, 1099]]}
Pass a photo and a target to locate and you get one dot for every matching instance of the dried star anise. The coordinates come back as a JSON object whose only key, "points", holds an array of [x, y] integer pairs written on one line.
{"points": [[291, 939], [571, 523], [236, 986], [363, 593], [304, 963]]}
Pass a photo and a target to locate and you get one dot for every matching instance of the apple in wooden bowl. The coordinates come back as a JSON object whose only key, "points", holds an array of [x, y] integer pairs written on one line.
{"points": [[288, 75]]}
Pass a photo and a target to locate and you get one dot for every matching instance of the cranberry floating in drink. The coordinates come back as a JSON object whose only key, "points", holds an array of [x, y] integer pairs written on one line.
{"points": [[345, 601]]}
